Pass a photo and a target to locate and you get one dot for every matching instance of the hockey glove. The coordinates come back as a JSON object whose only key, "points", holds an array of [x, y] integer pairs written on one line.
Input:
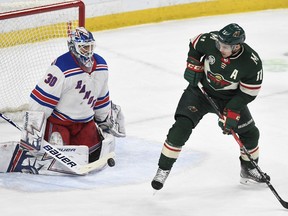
{"points": [[114, 123], [229, 121], [194, 71]]}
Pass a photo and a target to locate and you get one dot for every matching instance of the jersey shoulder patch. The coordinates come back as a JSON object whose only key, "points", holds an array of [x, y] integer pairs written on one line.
{"points": [[100, 63], [204, 39], [252, 56], [65, 62]]}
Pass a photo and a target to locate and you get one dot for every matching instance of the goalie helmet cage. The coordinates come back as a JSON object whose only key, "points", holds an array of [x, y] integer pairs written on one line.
{"points": [[30, 40]]}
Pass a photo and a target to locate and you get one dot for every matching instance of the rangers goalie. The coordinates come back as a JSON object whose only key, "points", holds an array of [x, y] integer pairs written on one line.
{"points": [[71, 119]]}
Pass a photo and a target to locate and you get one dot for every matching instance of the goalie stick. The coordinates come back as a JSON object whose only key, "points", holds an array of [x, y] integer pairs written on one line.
{"points": [[243, 148], [65, 160]]}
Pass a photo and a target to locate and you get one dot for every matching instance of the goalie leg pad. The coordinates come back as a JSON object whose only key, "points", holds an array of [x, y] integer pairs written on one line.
{"points": [[108, 144], [33, 131], [7, 150]]}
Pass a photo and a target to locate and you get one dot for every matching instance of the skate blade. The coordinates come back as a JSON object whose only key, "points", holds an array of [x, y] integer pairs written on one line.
{"points": [[154, 192], [250, 182]]}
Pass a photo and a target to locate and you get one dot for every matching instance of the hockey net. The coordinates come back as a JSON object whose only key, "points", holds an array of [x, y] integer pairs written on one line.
{"points": [[30, 40]]}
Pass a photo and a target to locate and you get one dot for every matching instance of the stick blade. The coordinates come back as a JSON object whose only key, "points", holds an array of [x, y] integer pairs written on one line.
{"points": [[284, 204], [85, 169]]}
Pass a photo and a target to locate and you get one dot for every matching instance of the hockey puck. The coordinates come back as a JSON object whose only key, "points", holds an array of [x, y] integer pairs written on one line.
{"points": [[111, 162]]}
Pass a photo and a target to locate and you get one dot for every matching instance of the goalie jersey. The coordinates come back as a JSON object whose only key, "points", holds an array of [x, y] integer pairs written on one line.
{"points": [[70, 94]]}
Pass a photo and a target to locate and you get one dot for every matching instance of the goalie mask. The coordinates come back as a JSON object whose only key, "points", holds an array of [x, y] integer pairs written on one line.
{"points": [[81, 43]]}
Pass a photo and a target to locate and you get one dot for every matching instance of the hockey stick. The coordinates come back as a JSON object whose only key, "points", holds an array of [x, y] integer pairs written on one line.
{"points": [[243, 148], [65, 160]]}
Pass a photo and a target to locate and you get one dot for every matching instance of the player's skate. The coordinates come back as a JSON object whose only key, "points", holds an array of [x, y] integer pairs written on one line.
{"points": [[251, 176], [159, 179]]}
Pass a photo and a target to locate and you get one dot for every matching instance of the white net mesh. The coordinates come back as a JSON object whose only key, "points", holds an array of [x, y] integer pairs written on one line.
{"points": [[28, 45]]}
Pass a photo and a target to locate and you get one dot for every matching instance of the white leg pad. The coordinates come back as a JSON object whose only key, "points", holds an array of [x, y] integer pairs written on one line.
{"points": [[108, 144], [34, 125]]}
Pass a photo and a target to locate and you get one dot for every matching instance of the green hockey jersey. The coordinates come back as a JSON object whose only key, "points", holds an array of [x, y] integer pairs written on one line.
{"points": [[236, 79]]}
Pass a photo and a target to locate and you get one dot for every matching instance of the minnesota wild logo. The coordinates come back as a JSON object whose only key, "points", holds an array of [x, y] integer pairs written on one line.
{"points": [[217, 81]]}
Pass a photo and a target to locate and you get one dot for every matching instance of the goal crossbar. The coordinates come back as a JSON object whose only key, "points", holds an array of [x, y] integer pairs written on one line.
{"points": [[47, 8]]}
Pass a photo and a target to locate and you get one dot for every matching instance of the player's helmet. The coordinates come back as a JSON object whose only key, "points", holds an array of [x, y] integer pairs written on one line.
{"points": [[81, 43], [231, 34]]}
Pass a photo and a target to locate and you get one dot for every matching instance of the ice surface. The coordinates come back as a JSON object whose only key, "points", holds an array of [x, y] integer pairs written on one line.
{"points": [[146, 66]]}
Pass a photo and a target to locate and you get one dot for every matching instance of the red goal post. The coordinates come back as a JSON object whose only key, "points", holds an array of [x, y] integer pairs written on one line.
{"points": [[30, 40]]}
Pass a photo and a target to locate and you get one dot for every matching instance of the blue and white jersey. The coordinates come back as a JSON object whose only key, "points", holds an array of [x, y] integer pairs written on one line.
{"points": [[71, 94]]}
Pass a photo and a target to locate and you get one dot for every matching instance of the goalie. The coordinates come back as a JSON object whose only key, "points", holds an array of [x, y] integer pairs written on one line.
{"points": [[74, 96]]}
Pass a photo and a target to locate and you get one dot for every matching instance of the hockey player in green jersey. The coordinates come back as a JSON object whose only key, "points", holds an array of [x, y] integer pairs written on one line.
{"points": [[231, 73]]}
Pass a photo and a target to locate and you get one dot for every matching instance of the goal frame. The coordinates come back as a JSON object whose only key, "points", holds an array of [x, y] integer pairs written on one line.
{"points": [[79, 5], [48, 8]]}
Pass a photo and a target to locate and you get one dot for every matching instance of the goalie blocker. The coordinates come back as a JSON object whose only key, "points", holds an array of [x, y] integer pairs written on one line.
{"points": [[34, 155]]}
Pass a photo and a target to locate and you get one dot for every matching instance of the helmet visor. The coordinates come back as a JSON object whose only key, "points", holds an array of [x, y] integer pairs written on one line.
{"points": [[224, 47]]}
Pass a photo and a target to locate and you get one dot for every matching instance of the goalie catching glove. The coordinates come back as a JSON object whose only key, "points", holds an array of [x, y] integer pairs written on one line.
{"points": [[229, 120], [114, 123], [194, 71]]}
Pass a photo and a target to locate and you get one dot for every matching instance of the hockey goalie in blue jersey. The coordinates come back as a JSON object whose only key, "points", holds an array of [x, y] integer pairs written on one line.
{"points": [[74, 96]]}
